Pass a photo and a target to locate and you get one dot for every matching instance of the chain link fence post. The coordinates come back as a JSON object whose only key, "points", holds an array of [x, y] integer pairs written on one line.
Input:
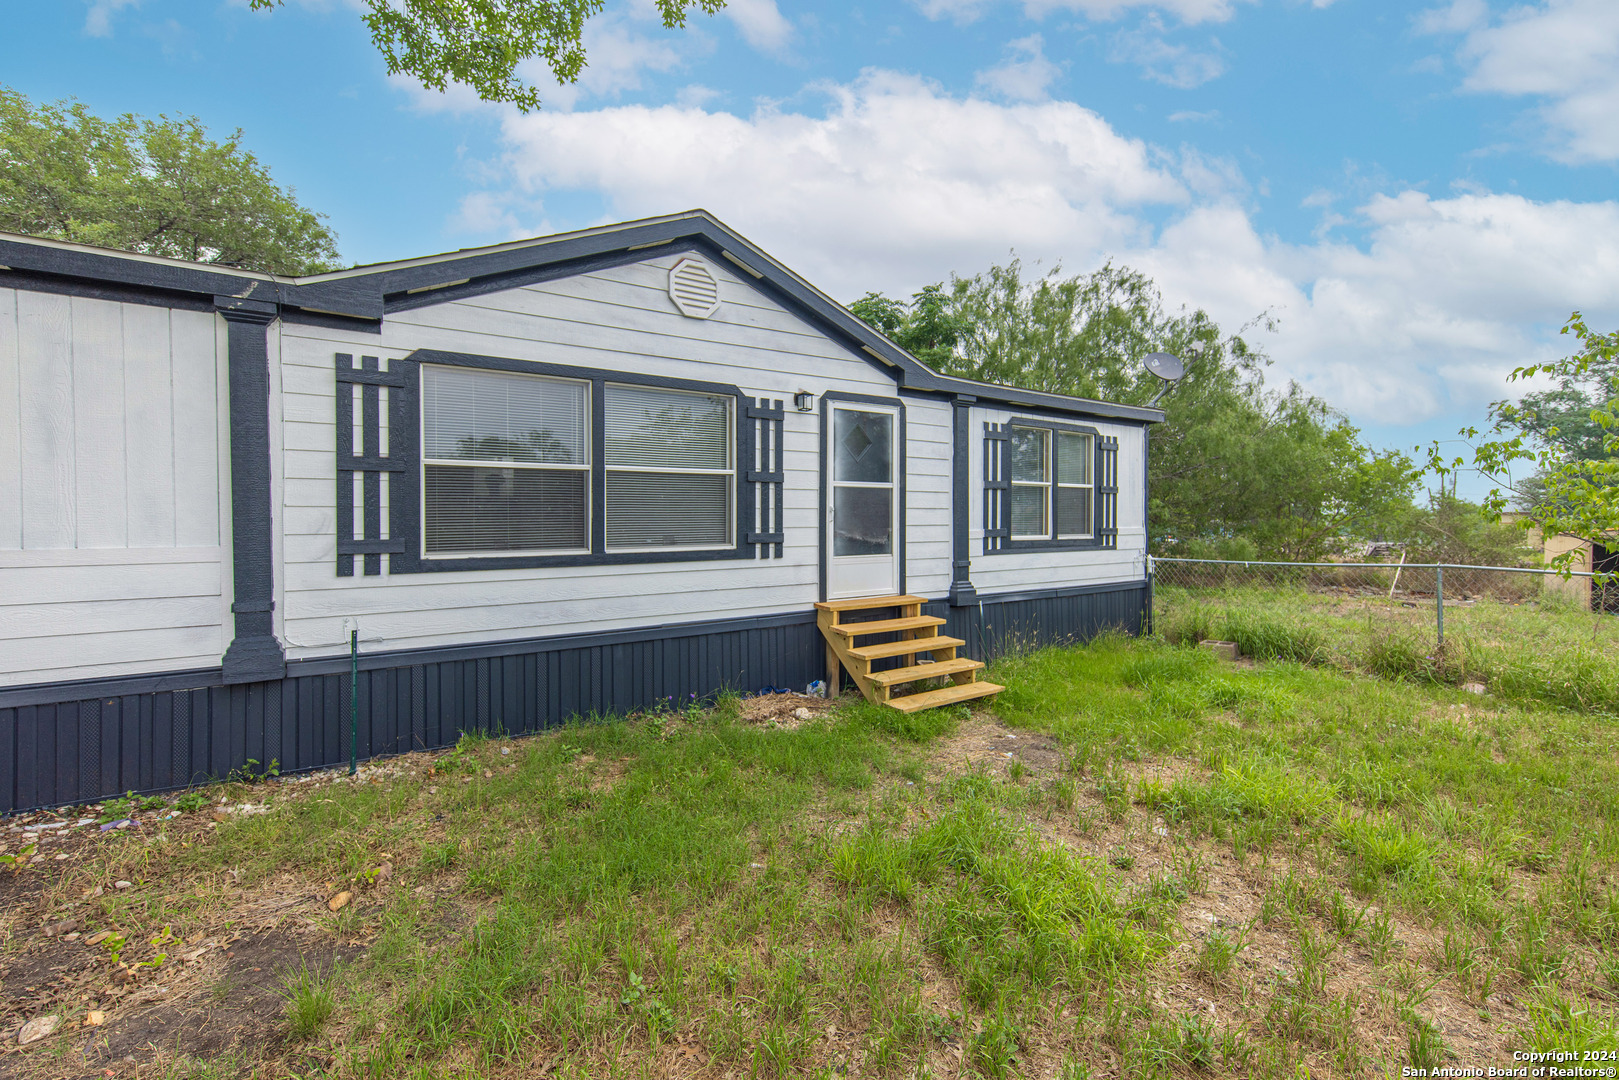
{"points": [[1439, 603]]}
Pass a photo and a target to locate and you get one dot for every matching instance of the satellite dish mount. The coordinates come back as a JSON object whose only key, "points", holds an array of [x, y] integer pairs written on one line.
{"points": [[1168, 367]]}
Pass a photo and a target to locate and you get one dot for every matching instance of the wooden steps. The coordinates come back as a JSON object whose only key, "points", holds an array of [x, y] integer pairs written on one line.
{"points": [[949, 695], [919, 637], [925, 671], [908, 647]]}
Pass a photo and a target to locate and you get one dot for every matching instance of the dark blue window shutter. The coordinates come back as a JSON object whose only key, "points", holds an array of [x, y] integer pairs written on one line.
{"points": [[1107, 492], [765, 477], [997, 487], [366, 459]]}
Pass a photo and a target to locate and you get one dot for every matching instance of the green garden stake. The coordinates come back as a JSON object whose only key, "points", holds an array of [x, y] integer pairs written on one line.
{"points": [[354, 699]]}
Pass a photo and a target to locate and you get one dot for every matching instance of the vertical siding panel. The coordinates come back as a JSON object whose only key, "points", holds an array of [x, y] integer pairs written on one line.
{"points": [[432, 691], [195, 367], [10, 759], [30, 762], [224, 707], [10, 427], [180, 755], [418, 707], [102, 499], [149, 438], [333, 724], [162, 741], [45, 382]]}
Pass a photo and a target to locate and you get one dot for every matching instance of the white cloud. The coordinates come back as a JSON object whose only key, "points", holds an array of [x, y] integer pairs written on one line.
{"points": [[1025, 75], [1187, 116], [1162, 61], [897, 184], [98, 20], [1563, 51], [760, 23]]}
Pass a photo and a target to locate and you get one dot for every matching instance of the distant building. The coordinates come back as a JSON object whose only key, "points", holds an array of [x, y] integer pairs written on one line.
{"points": [[1589, 558]]}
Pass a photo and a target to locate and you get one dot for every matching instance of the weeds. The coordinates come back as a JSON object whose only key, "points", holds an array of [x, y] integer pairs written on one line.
{"points": [[309, 1001]]}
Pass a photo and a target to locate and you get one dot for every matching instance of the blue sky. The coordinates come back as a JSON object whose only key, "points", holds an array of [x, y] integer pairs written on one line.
{"points": [[1418, 196]]}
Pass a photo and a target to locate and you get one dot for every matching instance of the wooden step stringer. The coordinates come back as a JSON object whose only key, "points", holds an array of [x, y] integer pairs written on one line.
{"points": [[918, 637]]}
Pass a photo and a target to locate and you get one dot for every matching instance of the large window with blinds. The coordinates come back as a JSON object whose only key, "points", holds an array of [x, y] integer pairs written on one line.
{"points": [[670, 474], [517, 465], [505, 462]]}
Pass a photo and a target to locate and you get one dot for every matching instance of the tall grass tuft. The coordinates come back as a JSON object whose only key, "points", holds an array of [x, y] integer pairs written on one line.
{"points": [[1395, 654], [1266, 637]]}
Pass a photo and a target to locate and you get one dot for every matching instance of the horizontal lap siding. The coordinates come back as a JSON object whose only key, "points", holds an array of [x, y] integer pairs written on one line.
{"points": [[85, 749], [1005, 572], [927, 496], [619, 319]]}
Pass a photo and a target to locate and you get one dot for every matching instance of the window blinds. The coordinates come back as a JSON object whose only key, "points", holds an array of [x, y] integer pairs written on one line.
{"points": [[670, 478], [523, 439]]}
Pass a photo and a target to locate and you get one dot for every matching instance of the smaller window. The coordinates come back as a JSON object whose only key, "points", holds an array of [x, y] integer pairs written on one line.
{"points": [[1075, 486], [1031, 483], [670, 475]]}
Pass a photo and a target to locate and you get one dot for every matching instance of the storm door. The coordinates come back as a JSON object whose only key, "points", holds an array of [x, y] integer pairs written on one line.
{"points": [[862, 511]]}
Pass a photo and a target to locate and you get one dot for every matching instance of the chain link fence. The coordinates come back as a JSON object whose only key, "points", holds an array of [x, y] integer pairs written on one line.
{"points": [[1526, 635], [1420, 592]]}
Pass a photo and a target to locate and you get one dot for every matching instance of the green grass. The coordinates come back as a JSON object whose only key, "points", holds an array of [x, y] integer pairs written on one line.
{"points": [[841, 898], [1539, 651]]}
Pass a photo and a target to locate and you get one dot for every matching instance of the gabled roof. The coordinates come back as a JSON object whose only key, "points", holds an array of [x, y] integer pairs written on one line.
{"points": [[364, 295]]}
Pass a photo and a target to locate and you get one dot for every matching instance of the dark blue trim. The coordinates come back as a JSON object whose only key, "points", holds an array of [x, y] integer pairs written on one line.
{"points": [[962, 592], [254, 653], [366, 296]]}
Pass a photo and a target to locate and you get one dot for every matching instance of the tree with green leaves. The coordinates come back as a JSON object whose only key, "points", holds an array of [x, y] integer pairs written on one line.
{"points": [[1568, 436], [159, 187], [480, 43], [1236, 470]]}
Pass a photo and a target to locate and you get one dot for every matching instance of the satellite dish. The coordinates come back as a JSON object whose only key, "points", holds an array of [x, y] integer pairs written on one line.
{"points": [[1167, 366]]}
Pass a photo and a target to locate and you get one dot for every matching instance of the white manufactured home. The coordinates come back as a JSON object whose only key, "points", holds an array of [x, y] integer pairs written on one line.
{"points": [[582, 473]]}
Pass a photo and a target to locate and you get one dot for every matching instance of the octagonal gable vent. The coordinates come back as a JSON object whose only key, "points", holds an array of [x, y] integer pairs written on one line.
{"points": [[693, 289]]}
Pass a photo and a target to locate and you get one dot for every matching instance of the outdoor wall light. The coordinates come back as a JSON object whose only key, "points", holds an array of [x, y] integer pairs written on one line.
{"points": [[804, 401]]}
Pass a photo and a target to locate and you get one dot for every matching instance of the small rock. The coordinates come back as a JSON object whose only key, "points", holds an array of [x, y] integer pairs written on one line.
{"points": [[487, 774], [802, 714], [122, 884], [151, 993], [59, 928], [94, 1018], [432, 791], [340, 900], [1473, 687], [38, 1028], [1225, 650], [504, 750]]}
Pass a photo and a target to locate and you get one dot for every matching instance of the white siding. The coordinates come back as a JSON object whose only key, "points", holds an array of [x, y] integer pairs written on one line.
{"points": [[619, 320], [110, 555], [1003, 572], [927, 497]]}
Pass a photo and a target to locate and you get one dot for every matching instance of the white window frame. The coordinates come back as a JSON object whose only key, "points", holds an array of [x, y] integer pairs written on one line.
{"points": [[1045, 485], [1057, 484], [493, 463], [729, 471]]}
